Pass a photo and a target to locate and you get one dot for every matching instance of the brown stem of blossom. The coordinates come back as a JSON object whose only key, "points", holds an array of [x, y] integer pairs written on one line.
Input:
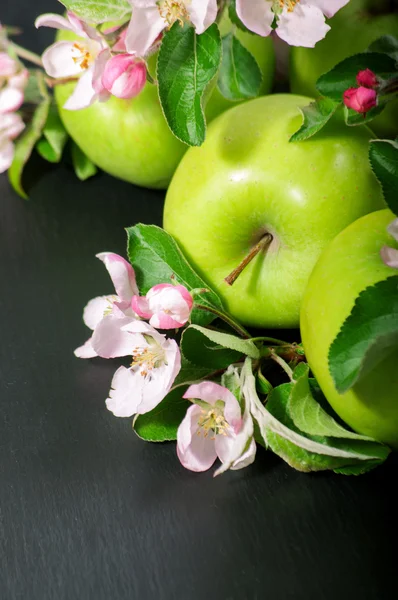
{"points": [[60, 81], [263, 244]]}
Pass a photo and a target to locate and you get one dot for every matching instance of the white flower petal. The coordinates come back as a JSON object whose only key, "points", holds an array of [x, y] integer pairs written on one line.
{"points": [[110, 340], [328, 7], [54, 21], [393, 229], [95, 309], [6, 154], [86, 351], [10, 99], [257, 15], [389, 256], [122, 275], [125, 393], [145, 26], [202, 14], [303, 26], [84, 94], [195, 451], [58, 60], [247, 457]]}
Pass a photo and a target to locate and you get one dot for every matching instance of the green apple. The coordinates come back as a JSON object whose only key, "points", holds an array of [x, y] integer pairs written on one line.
{"points": [[130, 139], [349, 264], [353, 29], [247, 180]]}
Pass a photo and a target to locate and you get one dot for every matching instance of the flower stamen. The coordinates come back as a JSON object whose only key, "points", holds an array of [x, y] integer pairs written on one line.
{"points": [[172, 11], [81, 56]]}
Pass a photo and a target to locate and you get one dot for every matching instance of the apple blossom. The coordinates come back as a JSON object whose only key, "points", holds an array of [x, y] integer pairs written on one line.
{"points": [[11, 125], [151, 17], [155, 365], [85, 59], [299, 22], [167, 306], [390, 255], [124, 76], [214, 427], [367, 78], [106, 315], [360, 99]]}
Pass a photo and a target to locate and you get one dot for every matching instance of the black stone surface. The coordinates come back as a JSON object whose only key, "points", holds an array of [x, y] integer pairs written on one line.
{"points": [[87, 510]]}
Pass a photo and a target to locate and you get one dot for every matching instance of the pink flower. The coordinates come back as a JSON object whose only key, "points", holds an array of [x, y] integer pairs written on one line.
{"points": [[167, 306], [124, 76], [13, 80], [85, 59], [11, 125], [155, 365], [367, 78], [107, 315], [390, 255], [360, 99], [151, 17], [299, 23], [214, 427]]}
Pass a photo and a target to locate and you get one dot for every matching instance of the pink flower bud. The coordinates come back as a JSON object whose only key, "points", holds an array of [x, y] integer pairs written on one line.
{"points": [[360, 99], [367, 79], [124, 76]]}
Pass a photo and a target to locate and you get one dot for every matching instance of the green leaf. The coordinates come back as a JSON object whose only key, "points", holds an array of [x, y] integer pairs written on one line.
{"points": [[368, 335], [83, 166], [33, 93], [233, 342], [309, 416], [315, 116], [99, 11], [383, 155], [187, 63], [240, 76], [51, 146], [233, 15], [157, 258], [386, 44], [231, 380], [343, 76], [161, 423], [191, 373], [200, 350], [302, 451], [25, 144]]}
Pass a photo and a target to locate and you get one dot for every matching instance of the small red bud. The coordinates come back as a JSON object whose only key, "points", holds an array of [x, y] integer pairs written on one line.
{"points": [[367, 78], [360, 99]]}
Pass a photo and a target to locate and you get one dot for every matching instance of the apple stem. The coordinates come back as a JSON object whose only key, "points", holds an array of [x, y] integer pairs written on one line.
{"points": [[261, 245], [26, 54], [282, 363]]}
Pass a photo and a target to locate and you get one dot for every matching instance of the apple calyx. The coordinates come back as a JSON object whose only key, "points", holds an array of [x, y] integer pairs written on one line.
{"points": [[263, 244]]}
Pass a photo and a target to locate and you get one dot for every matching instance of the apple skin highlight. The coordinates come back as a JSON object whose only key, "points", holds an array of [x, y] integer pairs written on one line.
{"points": [[349, 264], [248, 179]]}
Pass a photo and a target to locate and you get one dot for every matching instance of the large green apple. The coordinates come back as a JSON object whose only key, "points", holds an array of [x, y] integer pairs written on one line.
{"points": [[247, 180], [130, 139], [353, 29], [349, 264]]}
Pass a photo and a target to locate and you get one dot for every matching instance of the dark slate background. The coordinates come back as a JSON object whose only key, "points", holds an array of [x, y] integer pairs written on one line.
{"points": [[87, 510]]}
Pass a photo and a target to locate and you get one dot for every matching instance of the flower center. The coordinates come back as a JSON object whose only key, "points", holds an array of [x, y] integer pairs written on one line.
{"points": [[213, 420], [111, 300], [173, 10], [81, 56], [289, 4], [149, 358]]}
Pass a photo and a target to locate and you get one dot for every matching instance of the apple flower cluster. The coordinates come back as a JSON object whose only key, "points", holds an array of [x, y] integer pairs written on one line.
{"points": [[13, 80], [214, 425], [101, 71], [364, 97]]}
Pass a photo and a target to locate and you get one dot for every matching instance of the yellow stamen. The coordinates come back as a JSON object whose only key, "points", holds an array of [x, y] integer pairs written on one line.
{"points": [[172, 11], [212, 420], [147, 359], [82, 56], [289, 4]]}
